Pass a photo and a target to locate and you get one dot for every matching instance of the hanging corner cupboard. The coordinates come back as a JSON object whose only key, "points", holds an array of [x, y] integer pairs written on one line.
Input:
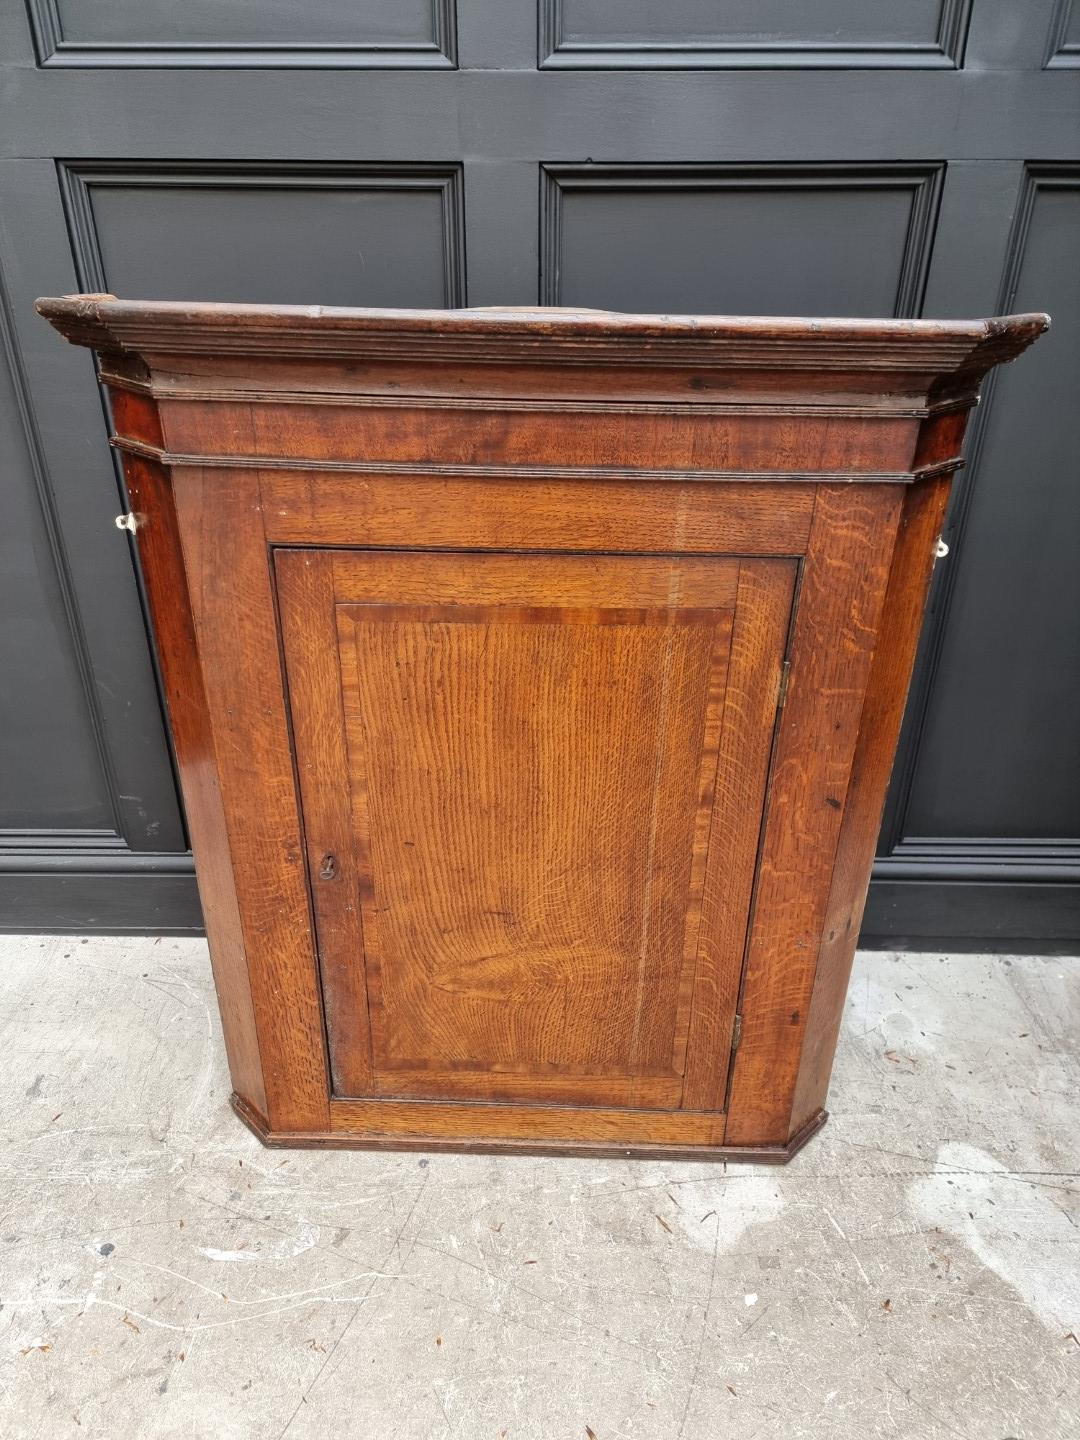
{"points": [[534, 679]]}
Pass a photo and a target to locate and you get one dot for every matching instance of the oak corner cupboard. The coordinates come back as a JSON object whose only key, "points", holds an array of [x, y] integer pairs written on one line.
{"points": [[534, 679]]}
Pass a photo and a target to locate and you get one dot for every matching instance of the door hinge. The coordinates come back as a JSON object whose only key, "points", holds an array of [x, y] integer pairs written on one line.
{"points": [[736, 1033], [782, 688]]}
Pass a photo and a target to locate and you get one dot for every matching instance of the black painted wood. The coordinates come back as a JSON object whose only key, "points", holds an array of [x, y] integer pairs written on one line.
{"points": [[46, 699], [1064, 47], [772, 156], [1007, 672], [695, 33], [369, 234], [243, 32], [718, 238]]}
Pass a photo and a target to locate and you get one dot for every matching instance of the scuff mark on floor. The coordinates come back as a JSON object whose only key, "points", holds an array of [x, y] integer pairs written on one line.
{"points": [[284, 1249], [1011, 1224]]}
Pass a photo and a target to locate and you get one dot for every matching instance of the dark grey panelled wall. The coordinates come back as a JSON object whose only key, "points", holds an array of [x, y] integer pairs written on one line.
{"points": [[861, 157]]}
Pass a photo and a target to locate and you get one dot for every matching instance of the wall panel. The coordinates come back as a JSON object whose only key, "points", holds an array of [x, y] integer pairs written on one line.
{"points": [[243, 33], [52, 777], [998, 754], [720, 239], [299, 234], [700, 33]]}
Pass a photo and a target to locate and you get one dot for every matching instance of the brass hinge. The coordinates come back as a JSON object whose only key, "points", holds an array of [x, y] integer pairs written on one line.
{"points": [[736, 1033], [781, 694]]}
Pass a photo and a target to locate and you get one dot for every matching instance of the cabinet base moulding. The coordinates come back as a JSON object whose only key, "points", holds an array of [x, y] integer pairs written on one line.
{"points": [[345, 1137]]}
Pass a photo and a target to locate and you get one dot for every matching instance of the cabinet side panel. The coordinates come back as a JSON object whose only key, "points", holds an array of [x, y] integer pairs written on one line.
{"points": [[167, 596], [232, 601], [909, 581], [837, 617]]}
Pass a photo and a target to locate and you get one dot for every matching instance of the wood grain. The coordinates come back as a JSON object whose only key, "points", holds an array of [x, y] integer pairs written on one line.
{"points": [[348, 1136], [593, 586], [232, 602], [493, 776], [549, 772], [762, 617], [555, 745], [843, 588], [162, 563], [526, 1122], [876, 351], [681, 439], [507, 513], [305, 585], [879, 730]]}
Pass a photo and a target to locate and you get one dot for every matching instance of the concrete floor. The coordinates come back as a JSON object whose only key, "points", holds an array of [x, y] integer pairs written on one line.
{"points": [[914, 1273]]}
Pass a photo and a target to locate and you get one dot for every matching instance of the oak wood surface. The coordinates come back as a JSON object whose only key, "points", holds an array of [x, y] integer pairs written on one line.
{"points": [[939, 350], [167, 589], [883, 708], [763, 617], [309, 634], [843, 587], [533, 746], [528, 1122], [232, 603], [472, 628], [505, 512], [347, 1135], [684, 438]]}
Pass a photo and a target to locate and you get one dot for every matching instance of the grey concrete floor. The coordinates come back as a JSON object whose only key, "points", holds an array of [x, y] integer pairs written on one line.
{"points": [[914, 1273]]}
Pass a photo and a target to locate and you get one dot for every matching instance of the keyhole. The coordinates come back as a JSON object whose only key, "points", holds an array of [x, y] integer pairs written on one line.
{"points": [[328, 868]]}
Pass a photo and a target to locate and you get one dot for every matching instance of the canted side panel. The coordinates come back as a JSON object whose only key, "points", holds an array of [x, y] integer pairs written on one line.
{"points": [[162, 563], [232, 601], [894, 656], [836, 623]]}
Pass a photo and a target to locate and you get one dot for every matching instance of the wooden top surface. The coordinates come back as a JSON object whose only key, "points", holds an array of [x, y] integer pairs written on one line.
{"points": [[934, 348]]}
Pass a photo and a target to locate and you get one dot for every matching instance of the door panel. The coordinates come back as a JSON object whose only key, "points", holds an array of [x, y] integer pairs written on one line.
{"points": [[524, 782]]}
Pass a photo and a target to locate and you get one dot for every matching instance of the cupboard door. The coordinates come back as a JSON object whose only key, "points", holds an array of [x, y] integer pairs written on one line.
{"points": [[532, 788]]}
